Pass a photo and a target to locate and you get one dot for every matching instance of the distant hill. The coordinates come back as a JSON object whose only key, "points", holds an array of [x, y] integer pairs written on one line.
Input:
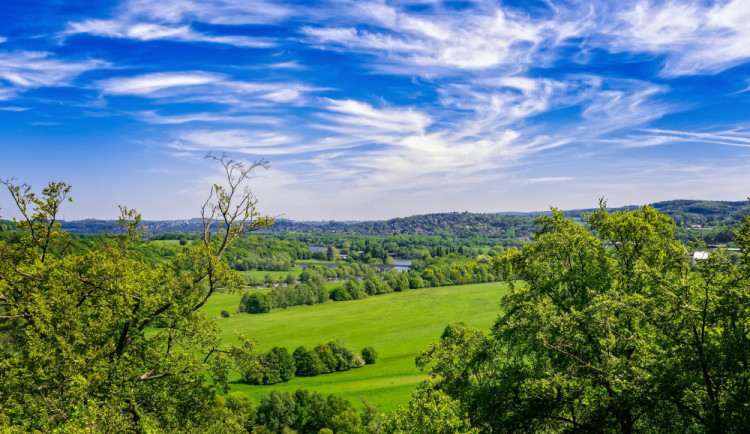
{"points": [[686, 213]]}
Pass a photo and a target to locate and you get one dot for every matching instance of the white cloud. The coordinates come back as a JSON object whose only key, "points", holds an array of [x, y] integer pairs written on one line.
{"points": [[728, 138], [202, 86], [357, 116], [152, 117], [551, 179], [147, 84], [24, 70], [464, 41], [261, 143], [696, 38], [152, 31], [147, 20]]}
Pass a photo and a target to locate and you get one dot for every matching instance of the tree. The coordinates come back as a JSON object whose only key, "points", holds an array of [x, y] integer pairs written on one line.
{"points": [[290, 279], [340, 294], [429, 411], [269, 280], [369, 355], [607, 327], [101, 340], [307, 363], [255, 302], [273, 367]]}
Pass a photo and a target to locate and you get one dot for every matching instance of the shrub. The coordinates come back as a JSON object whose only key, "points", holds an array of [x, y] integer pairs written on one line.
{"points": [[369, 355], [326, 357], [281, 362], [225, 313], [276, 366], [340, 294], [255, 303], [345, 359], [307, 363]]}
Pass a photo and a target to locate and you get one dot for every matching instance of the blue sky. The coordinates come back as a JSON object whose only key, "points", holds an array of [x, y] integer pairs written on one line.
{"points": [[376, 109]]}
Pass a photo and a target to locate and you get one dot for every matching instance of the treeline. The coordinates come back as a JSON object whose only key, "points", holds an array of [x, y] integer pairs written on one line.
{"points": [[265, 253], [453, 270], [363, 248], [278, 365], [364, 281]]}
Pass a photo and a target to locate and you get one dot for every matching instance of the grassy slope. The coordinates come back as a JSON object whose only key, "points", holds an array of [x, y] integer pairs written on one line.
{"points": [[398, 325]]}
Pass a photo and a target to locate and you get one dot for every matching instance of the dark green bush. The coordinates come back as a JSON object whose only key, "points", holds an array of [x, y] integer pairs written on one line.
{"points": [[307, 363], [255, 303], [369, 355]]}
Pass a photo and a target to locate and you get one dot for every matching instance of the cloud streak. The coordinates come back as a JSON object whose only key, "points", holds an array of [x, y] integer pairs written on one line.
{"points": [[24, 70]]}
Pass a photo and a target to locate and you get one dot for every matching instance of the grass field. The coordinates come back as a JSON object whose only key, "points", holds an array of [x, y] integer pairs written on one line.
{"points": [[397, 325]]}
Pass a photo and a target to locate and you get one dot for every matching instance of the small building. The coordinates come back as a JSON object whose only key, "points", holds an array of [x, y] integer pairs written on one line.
{"points": [[700, 255]]}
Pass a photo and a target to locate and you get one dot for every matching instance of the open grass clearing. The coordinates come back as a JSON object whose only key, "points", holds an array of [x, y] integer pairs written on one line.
{"points": [[397, 325]]}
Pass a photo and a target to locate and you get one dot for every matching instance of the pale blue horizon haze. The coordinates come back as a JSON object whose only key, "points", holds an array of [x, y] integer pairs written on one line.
{"points": [[376, 109]]}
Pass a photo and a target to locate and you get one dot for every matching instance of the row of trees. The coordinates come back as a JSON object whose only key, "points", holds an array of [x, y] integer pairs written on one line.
{"points": [[442, 272], [278, 365]]}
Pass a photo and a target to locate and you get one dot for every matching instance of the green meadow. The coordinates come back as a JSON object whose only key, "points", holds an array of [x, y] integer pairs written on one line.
{"points": [[397, 325]]}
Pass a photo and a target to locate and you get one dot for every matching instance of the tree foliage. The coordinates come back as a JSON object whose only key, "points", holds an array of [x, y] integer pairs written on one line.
{"points": [[255, 302], [100, 339], [607, 327]]}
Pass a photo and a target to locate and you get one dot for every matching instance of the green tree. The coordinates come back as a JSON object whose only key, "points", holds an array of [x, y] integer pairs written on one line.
{"points": [[429, 411], [276, 366], [330, 254], [269, 280], [290, 279], [102, 340], [606, 327], [307, 363], [340, 294], [255, 302], [369, 355], [327, 358]]}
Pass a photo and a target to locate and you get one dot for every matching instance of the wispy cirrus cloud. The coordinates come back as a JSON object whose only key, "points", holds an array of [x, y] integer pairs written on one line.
{"points": [[147, 21], [551, 179], [466, 41], [151, 32], [153, 84], [255, 142], [203, 86], [695, 37], [355, 117], [153, 117], [23, 70], [727, 137]]}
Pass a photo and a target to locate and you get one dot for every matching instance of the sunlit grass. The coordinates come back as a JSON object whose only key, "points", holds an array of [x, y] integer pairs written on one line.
{"points": [[397, 325]]}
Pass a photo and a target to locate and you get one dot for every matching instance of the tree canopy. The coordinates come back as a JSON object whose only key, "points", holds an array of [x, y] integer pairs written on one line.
{"points": [[608, 326], [101, 340]]}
